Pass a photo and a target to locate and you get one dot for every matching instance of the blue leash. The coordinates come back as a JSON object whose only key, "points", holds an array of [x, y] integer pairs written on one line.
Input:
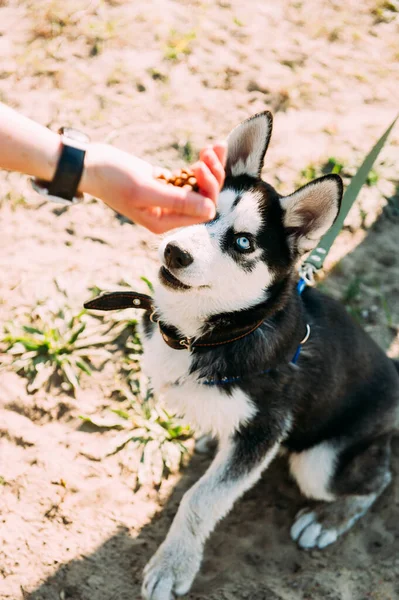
{"points": [[301, 285]]}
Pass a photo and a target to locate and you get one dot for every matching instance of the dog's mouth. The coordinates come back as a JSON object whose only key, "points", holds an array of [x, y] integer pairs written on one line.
{"points": [[169, 280]]}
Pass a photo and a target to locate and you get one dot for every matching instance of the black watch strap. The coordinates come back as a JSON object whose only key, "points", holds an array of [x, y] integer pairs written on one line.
{"points": [[65, 183], [68, 173]]}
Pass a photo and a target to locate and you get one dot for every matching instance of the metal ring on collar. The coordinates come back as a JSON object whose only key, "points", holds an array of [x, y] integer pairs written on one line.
{"points": [[305, 339]]}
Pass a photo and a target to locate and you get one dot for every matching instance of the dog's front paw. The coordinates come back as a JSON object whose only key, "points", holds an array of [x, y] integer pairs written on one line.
{"points": [[172, 569]]}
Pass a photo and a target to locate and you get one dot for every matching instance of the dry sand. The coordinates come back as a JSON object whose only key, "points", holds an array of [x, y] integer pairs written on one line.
{"points": [[73, 527]]}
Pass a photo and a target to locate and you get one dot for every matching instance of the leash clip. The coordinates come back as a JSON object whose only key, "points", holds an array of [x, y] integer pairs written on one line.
{"points": [[307, 272], [187, 343]]}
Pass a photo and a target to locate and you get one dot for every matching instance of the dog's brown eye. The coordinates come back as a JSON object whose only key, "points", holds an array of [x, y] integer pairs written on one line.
{"points": [[242, 243]]}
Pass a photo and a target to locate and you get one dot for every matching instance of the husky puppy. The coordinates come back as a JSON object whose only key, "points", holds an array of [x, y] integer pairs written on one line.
{"points": [[227, 296]]}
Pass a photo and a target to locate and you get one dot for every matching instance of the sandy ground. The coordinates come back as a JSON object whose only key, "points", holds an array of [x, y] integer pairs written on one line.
{"points": [[161, 78]]}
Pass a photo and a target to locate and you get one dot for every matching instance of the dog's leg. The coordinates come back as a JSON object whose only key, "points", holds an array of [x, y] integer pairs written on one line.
{"points": [[353, 480], [206, 444], [235, 469]]}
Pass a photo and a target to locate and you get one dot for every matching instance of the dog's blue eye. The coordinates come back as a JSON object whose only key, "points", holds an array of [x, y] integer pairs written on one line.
{"points": [[242, 243]]}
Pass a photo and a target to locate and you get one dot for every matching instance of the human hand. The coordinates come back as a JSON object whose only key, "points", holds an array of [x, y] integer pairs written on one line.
{"points": [[129, 185]]}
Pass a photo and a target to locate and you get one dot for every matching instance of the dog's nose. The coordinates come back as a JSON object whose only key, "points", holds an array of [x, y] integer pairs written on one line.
{"points": [[176, 258]]}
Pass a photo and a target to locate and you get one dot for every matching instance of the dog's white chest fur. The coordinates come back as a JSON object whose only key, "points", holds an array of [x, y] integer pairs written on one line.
{"points": [[207, 408]]}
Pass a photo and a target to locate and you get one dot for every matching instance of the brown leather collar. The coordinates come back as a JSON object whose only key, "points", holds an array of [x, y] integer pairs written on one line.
{"points": [[216, 337], [117, 300]]}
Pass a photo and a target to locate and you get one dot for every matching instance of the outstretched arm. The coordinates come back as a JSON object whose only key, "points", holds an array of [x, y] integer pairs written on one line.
{"points": [[124, 182]]}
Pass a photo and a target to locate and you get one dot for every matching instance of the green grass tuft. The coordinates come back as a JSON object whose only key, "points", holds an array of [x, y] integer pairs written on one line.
{"points": [[158, 435], [51, 344], [148, 283], [372, 178]]}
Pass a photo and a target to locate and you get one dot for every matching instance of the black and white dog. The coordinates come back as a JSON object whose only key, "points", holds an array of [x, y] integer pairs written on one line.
{"points": [[228, 298]]}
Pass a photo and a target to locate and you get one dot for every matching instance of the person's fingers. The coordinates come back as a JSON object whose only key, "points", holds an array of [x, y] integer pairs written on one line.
{"points": [[158, 171], [211, 159], [220, 148], [159, 222], [179, 201], [207, 182]]}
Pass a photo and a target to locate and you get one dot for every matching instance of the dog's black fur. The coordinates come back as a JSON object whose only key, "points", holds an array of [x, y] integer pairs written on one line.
{"points": [[346, 387], [341, 398]]}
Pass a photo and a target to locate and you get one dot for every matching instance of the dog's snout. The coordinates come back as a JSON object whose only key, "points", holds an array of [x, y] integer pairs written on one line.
{"points": [[176, 258]]}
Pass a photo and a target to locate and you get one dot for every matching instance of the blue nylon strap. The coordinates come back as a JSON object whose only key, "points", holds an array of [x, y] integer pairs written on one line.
{"points": [[296, 355], [301, 285]]}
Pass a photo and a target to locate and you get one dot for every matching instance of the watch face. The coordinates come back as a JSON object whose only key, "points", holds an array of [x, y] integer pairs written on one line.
{"points": [[75, 135]]}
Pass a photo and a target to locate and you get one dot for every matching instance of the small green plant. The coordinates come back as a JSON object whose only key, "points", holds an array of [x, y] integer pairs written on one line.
{"points": [[351, 296], [126, 282], [352, 292], [387, 310], [14, 200], [98, 32], [117, 75], [363, 216], [307, 174], [158, 75], [238, 22], [179, 45], [333, 166], [158, 435], [51, 344], [352, 299], [385, 10], [148, 283], [372, 178], [186, 150]]}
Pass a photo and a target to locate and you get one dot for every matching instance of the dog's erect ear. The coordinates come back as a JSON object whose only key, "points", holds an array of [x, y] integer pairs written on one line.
{"points": [[310, 211], [247, 145]]}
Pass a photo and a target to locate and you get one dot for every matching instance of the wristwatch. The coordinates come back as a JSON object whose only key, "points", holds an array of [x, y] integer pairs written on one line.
{"points": [[64, 186]]}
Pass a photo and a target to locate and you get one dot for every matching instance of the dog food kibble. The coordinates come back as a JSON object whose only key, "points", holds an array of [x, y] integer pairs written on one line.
{"points": [[184, 178]]}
